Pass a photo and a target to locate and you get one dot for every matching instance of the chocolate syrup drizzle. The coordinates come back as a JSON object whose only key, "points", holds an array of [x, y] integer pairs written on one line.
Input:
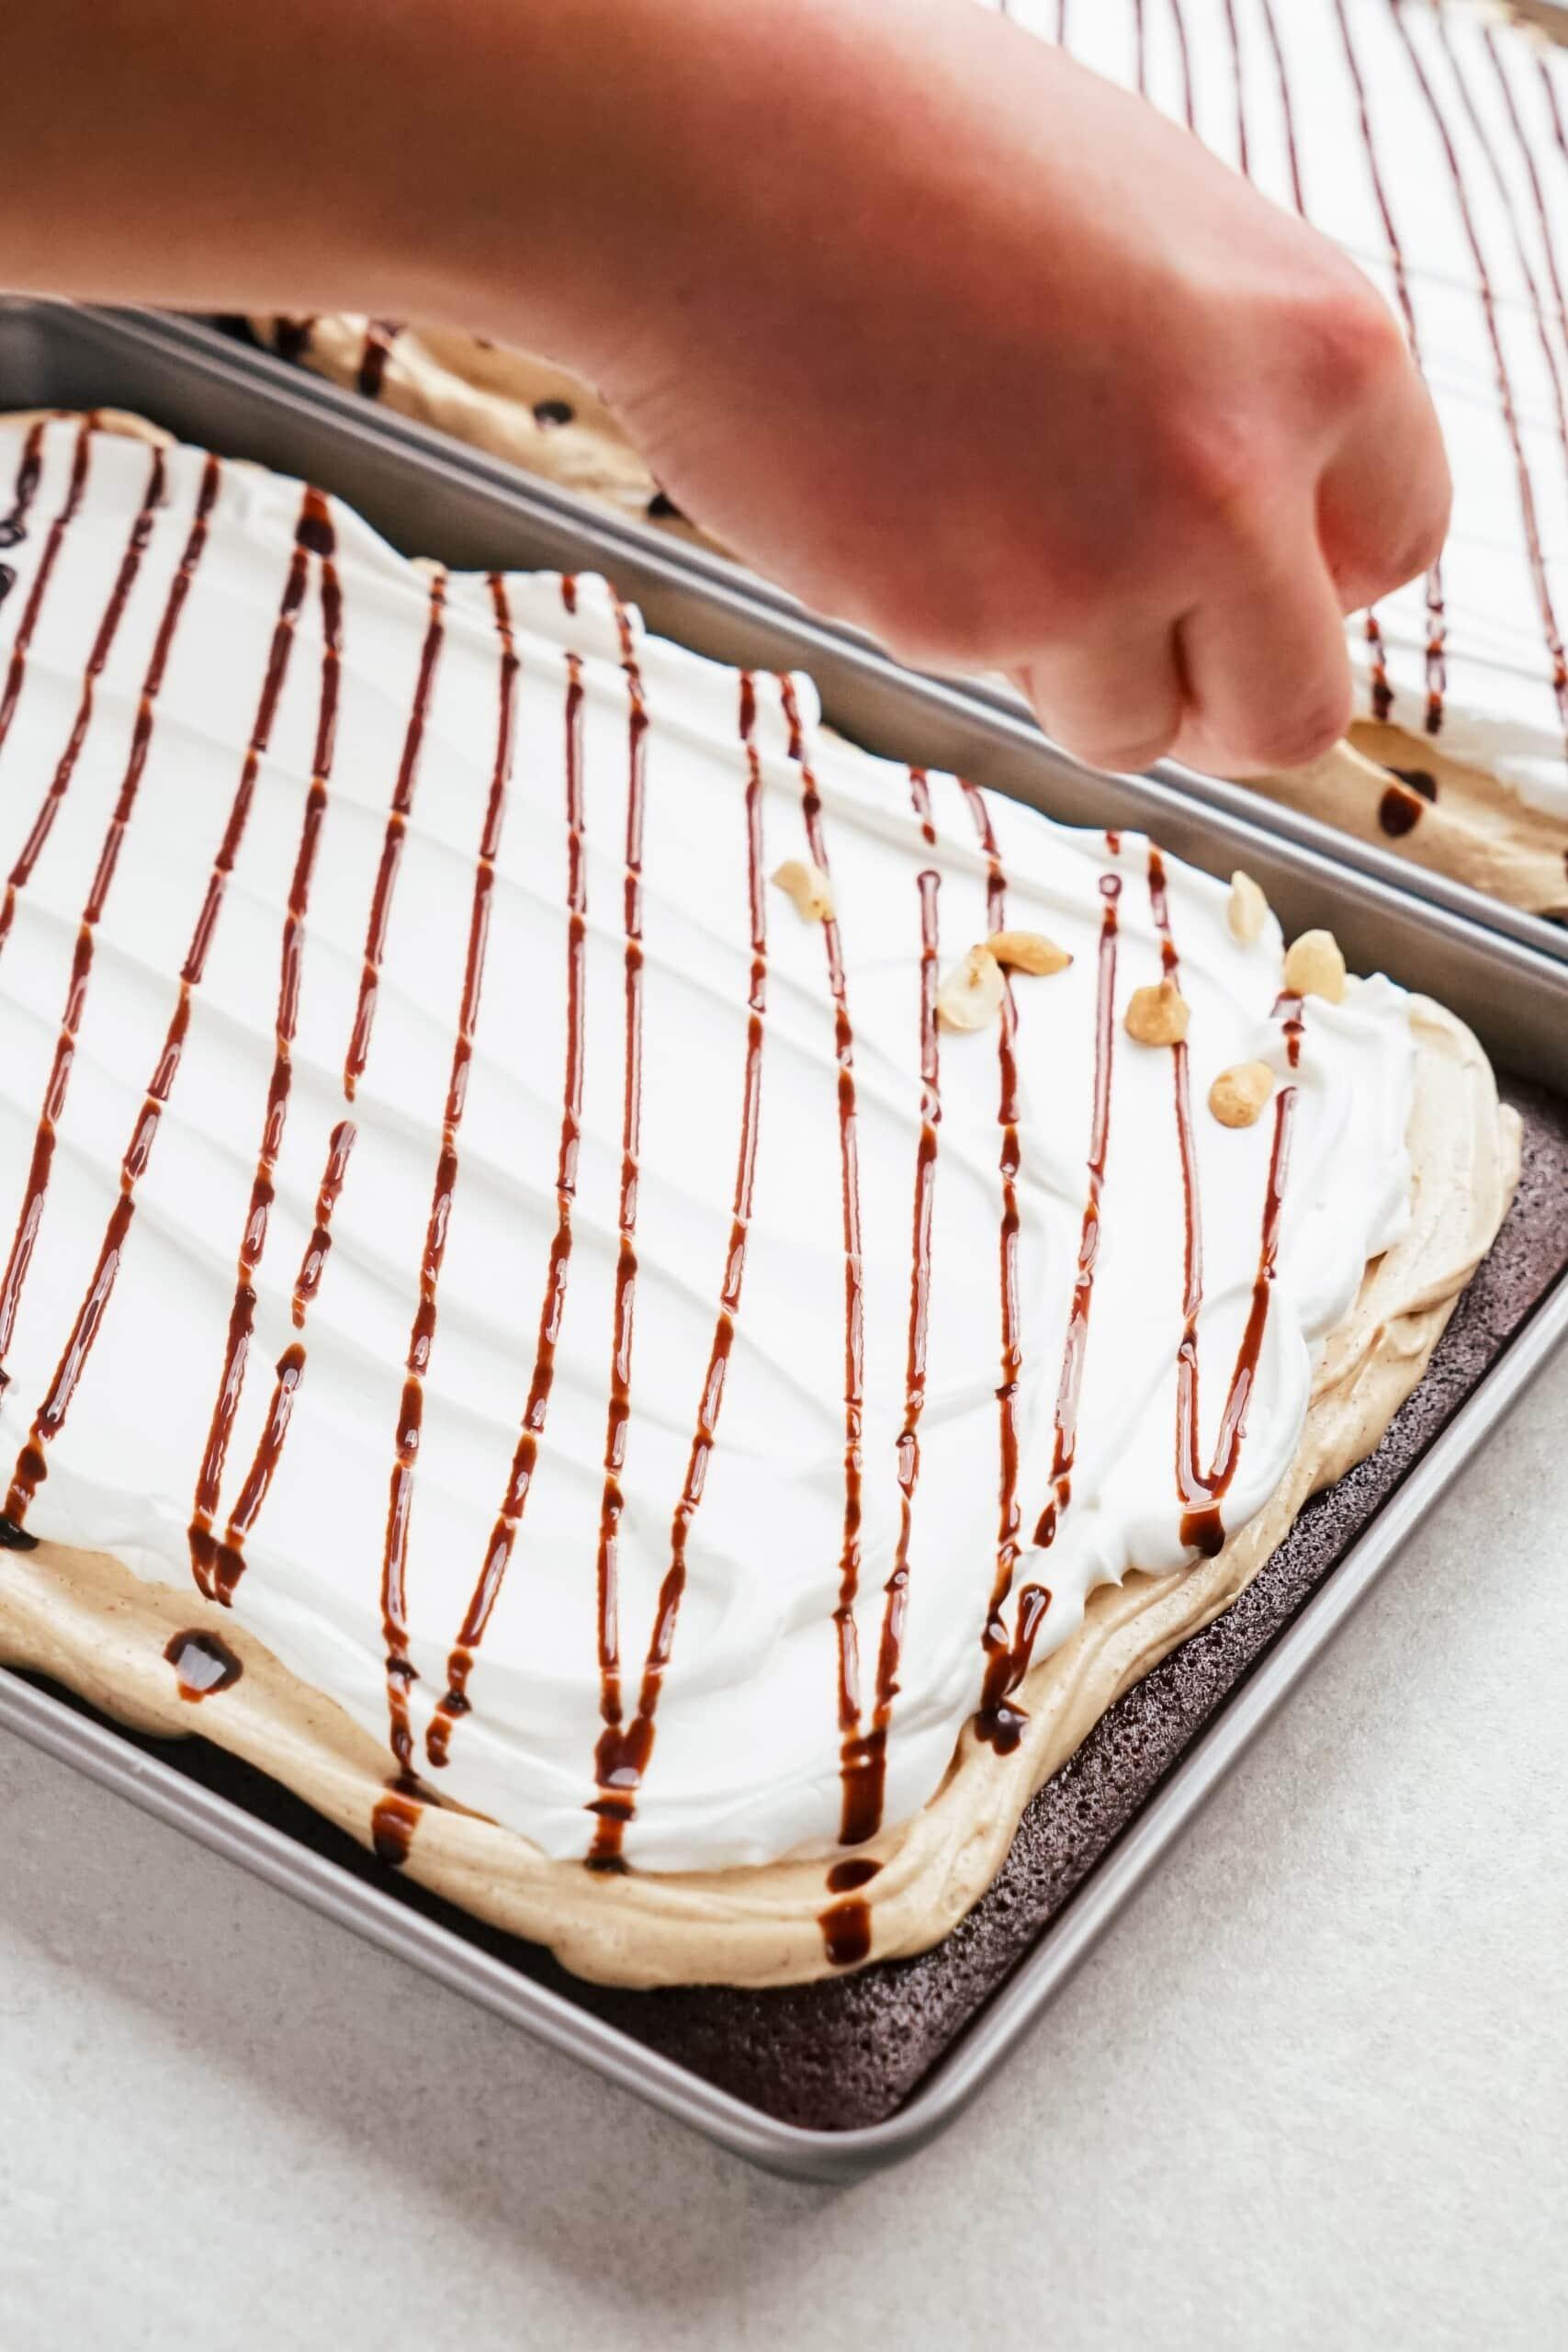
{"points": [[395, 1814], [1527, 509], [519, 1477], [617, 1761], [1238, 83], [226, 1561], [24, 489], [314, 535], [203, 1664], [379, 336], [620, 1764], [1008, 1519], [27, 485], [1007, 1656], [1521, 249], [1188, 96], [57, 1087], [1287, 109], [863, 1754], [274, 1117], [849, 1210], [392, 840], [1437, 621]]}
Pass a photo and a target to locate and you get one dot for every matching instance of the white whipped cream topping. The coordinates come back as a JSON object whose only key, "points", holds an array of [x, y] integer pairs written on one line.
{"points": [[1248, 60], [746, 1762]]}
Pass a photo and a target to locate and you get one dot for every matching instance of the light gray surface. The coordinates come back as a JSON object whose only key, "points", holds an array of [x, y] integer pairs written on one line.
{"points": [[1314, 2089]]}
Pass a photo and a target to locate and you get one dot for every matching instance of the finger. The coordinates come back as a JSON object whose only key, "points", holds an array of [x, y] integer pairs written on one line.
{"points": [[1266, 674], [1383, 508], [1116, 704]]}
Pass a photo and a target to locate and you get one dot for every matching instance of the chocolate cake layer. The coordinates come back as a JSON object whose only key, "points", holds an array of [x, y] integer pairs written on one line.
{"points": [[849, 2051]]}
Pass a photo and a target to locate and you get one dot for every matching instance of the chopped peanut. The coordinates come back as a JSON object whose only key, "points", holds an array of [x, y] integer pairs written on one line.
{"points": [[1315, 966], [971, 995], [1237, 1096], [808, 887], [1028, 951], [1158, 1016], [1247, 911]]}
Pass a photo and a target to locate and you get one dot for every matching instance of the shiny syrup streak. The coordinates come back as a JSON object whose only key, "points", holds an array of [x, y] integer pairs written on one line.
{"points": [[998, 1722], [846, 1924], [396, 1813], [313, 537], [379, 336], [618, 1754], [455, 1703], [203, 1664], [218, 1565], [1405, 813], [1202, 1491], [624, 1749]]}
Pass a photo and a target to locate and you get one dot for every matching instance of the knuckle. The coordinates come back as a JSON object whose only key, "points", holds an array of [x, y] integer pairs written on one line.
{"points": [[1347, 341], [1304, 732]]}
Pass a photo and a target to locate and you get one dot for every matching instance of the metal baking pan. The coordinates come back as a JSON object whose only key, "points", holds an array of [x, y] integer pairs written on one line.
{"points": [[430, 501], [718, 575]]}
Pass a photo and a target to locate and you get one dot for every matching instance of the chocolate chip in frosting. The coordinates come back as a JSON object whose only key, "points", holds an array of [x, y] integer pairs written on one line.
{"points": [[548, 413]]}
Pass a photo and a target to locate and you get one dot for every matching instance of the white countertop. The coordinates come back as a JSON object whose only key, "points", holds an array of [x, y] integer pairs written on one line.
{"points": [[1312, 2090]]}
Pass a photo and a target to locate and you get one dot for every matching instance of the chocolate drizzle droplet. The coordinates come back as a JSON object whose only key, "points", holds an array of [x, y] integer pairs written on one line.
{"points": [[203, 1664], [549, 413], [1399, 811]]}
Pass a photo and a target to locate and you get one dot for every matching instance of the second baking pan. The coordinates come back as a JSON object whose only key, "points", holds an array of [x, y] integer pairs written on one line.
{"points": [[763, 2073], [716, 573]]}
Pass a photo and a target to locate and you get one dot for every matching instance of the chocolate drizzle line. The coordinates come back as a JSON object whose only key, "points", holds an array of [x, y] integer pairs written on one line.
{"points": [[1202, 1491], [1437, 620], [203, 1664], [996, 1721], [1188, 97], [995, 1641], [103, 644], [622, 1760], [24, 489], [395, 1813], [392, 840], [227, 1562], [26, 481], [1528, 156], [379, 336], [1243, 156], [610, 1764], [313, 534], [1505, 381], [849, 1175], [1521, 249], [862, 1756], [275, 1118], [1287, 111], [519, 1477], [30, 1215]]}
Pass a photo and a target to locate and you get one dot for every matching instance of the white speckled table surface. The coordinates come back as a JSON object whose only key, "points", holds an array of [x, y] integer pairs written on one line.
{"points": [[1312, 2091]]}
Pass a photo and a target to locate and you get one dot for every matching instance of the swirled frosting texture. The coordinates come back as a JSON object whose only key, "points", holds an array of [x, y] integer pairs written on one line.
{"points": [[603, 1075]]}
